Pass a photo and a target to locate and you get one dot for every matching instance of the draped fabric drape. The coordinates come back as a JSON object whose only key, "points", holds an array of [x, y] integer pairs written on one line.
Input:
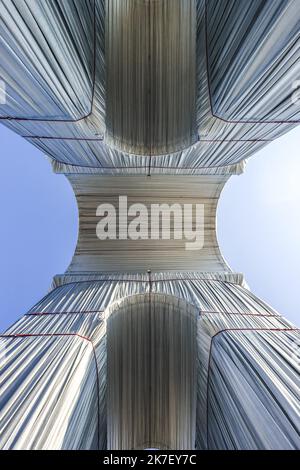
{"points": [[247, 364], [251, 77], [151, 378], [49, 393]]}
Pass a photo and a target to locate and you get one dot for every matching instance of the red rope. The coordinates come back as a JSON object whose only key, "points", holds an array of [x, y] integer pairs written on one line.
{"points": [[100, 139], [250, 314], [71, 312]]}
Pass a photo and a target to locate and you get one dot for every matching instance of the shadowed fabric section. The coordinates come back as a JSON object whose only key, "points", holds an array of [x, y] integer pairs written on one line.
{"points": [[151, 350], [151, 75]]}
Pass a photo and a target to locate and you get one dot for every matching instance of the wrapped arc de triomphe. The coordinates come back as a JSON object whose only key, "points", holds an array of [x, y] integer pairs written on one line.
{"points": [[143, 343]]}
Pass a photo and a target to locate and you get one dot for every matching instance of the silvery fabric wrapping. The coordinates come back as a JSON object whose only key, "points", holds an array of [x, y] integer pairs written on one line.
{"points": [[150, 55], [45, 80], [151, 373], [252, 77], [245, 349], [62, 71], [217, 122], [49, 392]]}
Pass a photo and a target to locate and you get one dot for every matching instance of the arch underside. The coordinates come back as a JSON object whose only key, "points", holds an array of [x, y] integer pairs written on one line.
{"points": [[193, 196]]}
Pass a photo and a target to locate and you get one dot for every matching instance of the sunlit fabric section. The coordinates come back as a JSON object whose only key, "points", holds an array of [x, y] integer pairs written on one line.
{"points": [[150, 57], [253, 58], [47, 58], [50, 394], [160, 223], [256, 44], [247, 385], [247, 364], [53, 72], [196, 160], [151, 381], [259, 396]]}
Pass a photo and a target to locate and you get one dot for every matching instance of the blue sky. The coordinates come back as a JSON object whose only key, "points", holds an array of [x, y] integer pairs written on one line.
{"points": [[258, 225], [38, 225]]}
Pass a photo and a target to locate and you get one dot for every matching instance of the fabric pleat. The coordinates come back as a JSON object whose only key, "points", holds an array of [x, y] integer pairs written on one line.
{"points": [[150, 55], [43, 79], [151, 381], [253, 59]]}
